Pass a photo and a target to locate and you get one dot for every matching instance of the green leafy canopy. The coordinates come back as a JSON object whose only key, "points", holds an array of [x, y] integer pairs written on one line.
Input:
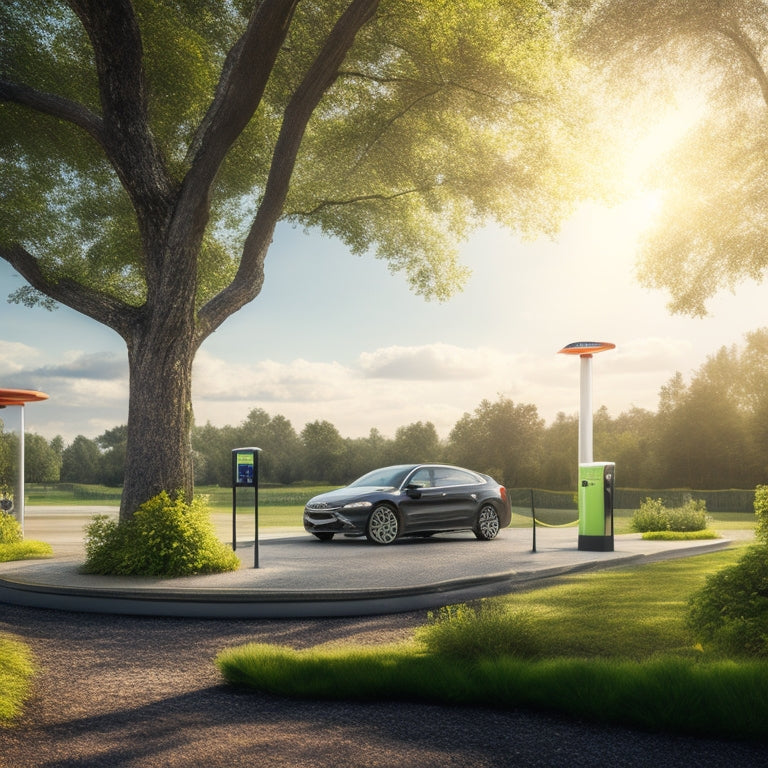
{"points": [[444, 115]]}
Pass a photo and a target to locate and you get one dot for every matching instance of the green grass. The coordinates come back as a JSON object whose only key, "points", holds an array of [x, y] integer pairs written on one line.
{"points": [[611, 646], [24, 550], [16, 670]]}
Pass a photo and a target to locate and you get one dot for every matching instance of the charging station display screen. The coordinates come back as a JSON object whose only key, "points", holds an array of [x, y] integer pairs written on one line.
{"points": [[244, 472]]}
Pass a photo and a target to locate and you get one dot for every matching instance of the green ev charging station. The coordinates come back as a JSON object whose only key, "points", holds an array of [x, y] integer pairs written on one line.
{"points": [[596, 486], [596, 479]]}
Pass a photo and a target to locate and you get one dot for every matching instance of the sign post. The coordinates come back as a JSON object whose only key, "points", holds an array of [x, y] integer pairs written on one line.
{"points": [[245, 474]]}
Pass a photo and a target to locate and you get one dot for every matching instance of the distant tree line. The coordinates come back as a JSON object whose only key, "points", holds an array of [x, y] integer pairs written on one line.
{"points": [[710, 433]]}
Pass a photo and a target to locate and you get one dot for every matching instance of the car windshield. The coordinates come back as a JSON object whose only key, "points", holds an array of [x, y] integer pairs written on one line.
{"points": [[388, 477]]}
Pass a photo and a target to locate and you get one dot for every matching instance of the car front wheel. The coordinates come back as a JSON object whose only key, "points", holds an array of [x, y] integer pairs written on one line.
{"points": [[383, 525], [487, 523]]}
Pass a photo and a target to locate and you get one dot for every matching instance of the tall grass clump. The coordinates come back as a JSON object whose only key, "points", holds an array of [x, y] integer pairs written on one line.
{"points": [[16, 670], [730, 612], [486, 629], [165, 537]]}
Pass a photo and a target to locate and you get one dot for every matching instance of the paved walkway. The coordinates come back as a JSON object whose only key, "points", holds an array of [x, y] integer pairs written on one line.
{"points": [[297, 575]]}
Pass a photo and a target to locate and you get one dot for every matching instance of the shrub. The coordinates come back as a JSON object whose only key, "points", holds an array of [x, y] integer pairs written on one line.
{"points": [[654, 516], [692, 516], [731, 611], [164, 537], [10, 529]]}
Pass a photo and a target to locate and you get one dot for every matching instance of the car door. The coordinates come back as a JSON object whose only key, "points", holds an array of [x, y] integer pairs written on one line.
{"points": [[440, 499]]}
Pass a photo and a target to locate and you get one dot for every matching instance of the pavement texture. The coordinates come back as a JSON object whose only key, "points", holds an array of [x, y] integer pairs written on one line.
{"points": [[291, 574]]}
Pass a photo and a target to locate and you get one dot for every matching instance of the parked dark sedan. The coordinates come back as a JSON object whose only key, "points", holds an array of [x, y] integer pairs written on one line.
{"points": [[411, 500]]}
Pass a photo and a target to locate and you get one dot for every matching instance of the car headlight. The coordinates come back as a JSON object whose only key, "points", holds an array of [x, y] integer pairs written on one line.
{"points": [[357, 505]]}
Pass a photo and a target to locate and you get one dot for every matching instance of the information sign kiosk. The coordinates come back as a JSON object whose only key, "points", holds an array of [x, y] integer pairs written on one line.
{"points": [[245, 474]]}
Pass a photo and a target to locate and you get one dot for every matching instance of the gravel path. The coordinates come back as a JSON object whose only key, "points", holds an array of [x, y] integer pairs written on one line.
{"points": [[144, 692]]}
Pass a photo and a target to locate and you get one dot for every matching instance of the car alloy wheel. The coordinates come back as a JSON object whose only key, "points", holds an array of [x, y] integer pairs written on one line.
{"points": [[383, 525], [487, 523]]}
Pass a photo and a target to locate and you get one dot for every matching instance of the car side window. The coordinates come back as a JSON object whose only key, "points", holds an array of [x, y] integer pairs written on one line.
{"points": [[422, 477], [448, 476]]}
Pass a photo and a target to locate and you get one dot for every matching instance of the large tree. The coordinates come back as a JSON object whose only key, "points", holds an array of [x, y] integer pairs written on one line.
{"points": [[148, 149], [713, 229]]}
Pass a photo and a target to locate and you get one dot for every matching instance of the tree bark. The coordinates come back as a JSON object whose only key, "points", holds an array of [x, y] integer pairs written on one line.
{"points": [[158, 449]]}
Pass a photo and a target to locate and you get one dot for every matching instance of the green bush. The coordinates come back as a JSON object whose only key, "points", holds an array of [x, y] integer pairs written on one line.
{"points": [[10, 530], [654, 516], [164, 537], [731, 611]]}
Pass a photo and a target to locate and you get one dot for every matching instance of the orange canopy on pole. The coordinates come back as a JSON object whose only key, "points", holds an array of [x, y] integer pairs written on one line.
{"points": [[20, 396]]}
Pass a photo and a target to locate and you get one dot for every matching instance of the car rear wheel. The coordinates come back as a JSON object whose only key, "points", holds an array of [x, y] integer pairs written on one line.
{"points": [[488, 524], [383, 525]]}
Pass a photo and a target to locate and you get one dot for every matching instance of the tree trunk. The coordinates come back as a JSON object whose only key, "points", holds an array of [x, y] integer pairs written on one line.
{"points": [[158, 450]]}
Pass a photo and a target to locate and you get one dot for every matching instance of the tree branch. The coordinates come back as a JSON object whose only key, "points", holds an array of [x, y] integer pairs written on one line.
{"points": [[361, 199], [96, 305], [243, 79], [318, 79], [128, 142], [749, 56], [55, 106]]}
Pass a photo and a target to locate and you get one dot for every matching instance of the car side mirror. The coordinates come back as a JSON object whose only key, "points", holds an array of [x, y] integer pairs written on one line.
{"points": [[414, 490]]}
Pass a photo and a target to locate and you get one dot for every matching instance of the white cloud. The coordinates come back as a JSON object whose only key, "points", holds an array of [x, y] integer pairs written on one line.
{"points": [[267, 380], [15, 356], [442, 384], [428, 362]]}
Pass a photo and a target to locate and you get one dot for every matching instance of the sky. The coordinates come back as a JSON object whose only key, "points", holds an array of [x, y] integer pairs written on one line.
{"points": [[338, 337]]}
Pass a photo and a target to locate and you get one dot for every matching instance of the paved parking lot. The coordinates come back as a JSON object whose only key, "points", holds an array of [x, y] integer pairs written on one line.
{"points": [[301, 576]]}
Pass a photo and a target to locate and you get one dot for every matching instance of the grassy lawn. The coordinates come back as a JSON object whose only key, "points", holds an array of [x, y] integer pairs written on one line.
{"points": [[283, 506], [16, 670], [612, 646]]}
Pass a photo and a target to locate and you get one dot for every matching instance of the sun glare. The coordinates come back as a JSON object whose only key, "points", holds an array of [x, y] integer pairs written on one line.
{"points": [[662, 135]]}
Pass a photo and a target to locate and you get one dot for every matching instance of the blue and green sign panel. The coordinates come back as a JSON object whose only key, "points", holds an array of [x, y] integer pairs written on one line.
{"points": [[596, 487], [244, 467]]}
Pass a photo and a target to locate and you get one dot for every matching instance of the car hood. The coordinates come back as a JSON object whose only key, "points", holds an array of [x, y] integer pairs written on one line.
{"points": [[346, 493]]}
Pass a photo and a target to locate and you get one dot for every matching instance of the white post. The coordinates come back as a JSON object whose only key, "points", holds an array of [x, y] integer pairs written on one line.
{"points": [[585, 410], [20, 483]]}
